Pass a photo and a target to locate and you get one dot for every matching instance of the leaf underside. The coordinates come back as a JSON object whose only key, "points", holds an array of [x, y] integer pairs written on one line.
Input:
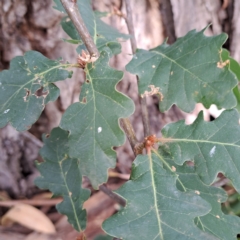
{"points": [[26, 87], [156, 209], [213, 146], [103, 35], [187, 72], [93, 122], [62, 176]]}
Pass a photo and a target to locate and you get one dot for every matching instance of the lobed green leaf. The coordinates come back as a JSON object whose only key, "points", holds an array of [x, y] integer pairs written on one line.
{"points": [[224, 227], [187, 72], [62, 176], [93, 122], [155, 208], [213, 146], [26, 87]]}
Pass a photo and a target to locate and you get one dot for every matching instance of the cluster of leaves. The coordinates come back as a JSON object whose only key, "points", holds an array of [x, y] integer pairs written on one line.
{"points": [[169, 195]]}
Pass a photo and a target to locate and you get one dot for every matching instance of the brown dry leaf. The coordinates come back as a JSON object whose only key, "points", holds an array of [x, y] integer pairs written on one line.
{"points": [[29, 217]]}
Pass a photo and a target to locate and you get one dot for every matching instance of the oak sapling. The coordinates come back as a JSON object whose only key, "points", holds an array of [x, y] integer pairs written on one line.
{"points": [[165, 197]]}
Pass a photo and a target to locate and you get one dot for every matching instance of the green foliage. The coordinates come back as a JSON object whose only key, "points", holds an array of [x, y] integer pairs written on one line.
{"points": [[62, 176], [154, 203], [156, 206], [213, 146], [215, 222], [186, 72], [20, 102], [93, 122], [169, 195]]}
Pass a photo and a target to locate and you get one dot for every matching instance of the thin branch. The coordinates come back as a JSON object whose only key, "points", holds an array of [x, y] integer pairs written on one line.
{"points": [[168, 21], [143, 100], [72, 11], [130, 26], [112, 195], [32, 138], [221, 182], [145, 117], [128, 129], [34, 202]]}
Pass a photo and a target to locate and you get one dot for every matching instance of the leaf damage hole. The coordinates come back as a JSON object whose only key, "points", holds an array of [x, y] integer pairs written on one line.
{"points": [[87, 81], [27, 94], [173, 169], [223, 64], [40, 93]]}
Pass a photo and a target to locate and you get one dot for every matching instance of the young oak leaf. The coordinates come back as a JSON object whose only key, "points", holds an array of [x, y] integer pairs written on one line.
{"points": [[187, 72], [93, 122], [155, 208], [213, 146], [26, 87], [62, 176]]}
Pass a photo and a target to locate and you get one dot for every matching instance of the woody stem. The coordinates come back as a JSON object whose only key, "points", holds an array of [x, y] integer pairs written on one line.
{"points": [[72, 11], [143, 100]]}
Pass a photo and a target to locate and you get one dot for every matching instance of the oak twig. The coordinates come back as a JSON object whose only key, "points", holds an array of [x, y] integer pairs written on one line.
{"points": [[112, 195], [128, 129], [143, 100], [72, 11], [130, 26]]}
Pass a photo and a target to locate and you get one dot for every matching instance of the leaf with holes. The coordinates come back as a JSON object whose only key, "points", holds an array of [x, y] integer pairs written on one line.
{"points": [[155, 208], [102, 34], [93, 122], [187, 72], [62, 176], [213, 146], [27, 86]]}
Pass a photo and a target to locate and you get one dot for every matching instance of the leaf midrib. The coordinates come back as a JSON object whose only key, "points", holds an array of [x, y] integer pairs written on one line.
{"points": [[68, 190], [155, 198]]}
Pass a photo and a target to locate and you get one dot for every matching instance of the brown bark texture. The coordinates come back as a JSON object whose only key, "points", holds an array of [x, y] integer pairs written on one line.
{"points": [[34, 25]]}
